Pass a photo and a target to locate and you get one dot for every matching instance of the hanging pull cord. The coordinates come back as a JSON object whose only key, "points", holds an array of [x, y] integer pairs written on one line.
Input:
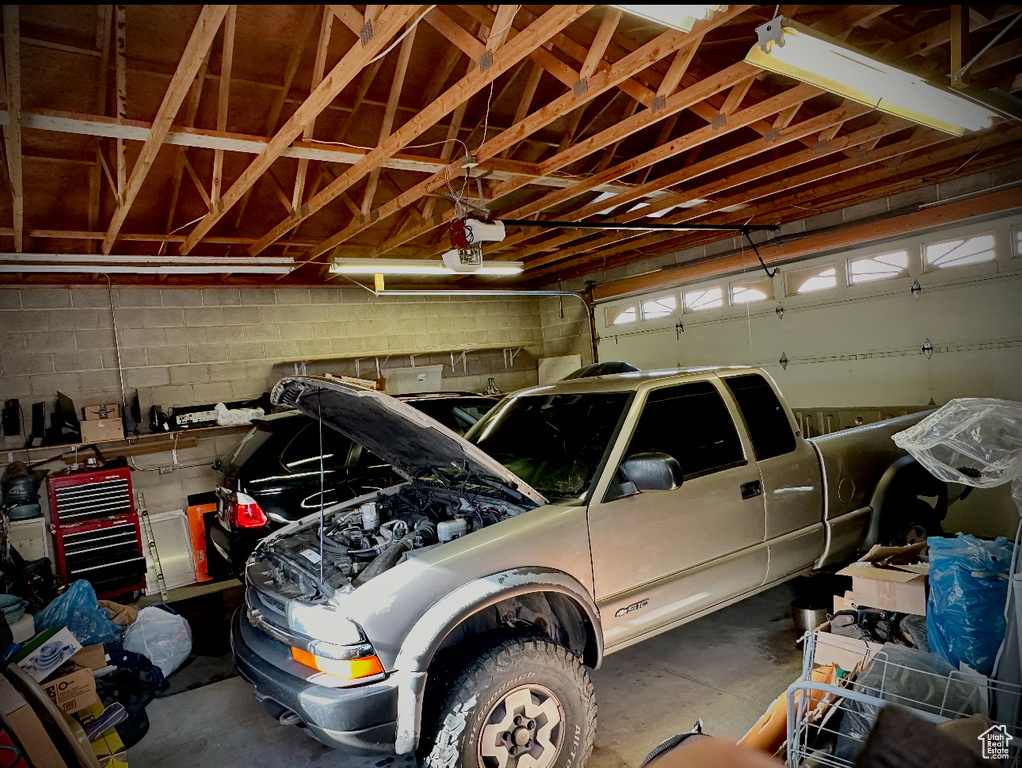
{"points": [[321, 489], [761, 262]]}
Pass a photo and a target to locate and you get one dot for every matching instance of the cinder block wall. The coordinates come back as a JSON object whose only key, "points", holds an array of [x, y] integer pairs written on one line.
{"points": [[192, 346]]}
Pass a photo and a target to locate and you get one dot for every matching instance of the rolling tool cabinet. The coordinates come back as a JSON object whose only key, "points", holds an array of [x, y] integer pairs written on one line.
{"points": [[95, 530]]}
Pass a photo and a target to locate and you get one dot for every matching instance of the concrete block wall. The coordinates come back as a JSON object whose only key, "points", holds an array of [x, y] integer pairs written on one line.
{"points": [[565, 327], [183, 347], [188, 346]]}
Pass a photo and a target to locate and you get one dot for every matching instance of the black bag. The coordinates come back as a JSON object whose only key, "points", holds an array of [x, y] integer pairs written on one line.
{"points": [[31, 580]]}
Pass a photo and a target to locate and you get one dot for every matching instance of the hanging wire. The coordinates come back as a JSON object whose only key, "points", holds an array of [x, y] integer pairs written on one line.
{"points": [[322, 483], [402, 36]]}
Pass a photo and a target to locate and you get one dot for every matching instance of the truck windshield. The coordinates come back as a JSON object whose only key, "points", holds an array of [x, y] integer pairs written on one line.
{"points": [[555, 443]]}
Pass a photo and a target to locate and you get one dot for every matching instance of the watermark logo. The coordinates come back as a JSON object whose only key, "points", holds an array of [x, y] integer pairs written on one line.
{"points": [[995, 742]]}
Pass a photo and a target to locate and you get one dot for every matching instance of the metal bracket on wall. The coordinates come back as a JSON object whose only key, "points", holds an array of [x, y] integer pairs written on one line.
{"points": [[301, 368], [510, 354], [461, 358], [376, 361]]}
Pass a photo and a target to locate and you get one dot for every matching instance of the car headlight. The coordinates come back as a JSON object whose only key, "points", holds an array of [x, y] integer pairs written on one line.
{"points": [[324, 623]]}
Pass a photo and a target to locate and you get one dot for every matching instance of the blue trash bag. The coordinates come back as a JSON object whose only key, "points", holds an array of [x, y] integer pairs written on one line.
{"points": [[79, 611], [968, 588]]}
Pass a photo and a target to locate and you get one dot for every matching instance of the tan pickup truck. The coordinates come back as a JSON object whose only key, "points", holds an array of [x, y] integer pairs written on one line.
{"points": [[455, 614]]}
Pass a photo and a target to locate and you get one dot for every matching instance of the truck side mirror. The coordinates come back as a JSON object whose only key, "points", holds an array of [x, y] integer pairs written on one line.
{"points": [[652, 471]]}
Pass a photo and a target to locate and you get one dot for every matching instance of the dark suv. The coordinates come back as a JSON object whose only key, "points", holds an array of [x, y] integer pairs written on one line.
{"points": [[272, 476]]}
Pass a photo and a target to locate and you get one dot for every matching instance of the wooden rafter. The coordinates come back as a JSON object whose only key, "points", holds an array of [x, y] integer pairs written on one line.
{"points": [[121, 94], [503, 60], [396, 83], [385, 26], [195, 51], [226, 63], [605, 79], [191, 111], [806, 192], [599, 47], [12, 131], [318, 70], [273, 117]]}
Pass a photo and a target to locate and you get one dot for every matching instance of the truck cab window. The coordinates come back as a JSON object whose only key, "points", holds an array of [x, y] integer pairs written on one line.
{"points": [[691, 423], [768, 423]]}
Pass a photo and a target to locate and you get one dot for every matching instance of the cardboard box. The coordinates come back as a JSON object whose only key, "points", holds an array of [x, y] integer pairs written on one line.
{"points": [[105, 411], [97, 430], [107, 747], [885, 578], [47, 652], [74, 690], [26, 728]]}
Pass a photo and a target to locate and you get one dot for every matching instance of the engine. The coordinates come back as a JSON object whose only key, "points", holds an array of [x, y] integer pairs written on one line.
{"points": [[377, 535]]}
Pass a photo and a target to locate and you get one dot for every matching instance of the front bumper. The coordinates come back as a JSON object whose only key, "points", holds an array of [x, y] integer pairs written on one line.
{"points": [[236, 546], [360, 720]]}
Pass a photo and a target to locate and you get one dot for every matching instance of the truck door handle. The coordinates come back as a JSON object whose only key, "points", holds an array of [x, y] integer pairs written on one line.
{"points": [[751, 490]]}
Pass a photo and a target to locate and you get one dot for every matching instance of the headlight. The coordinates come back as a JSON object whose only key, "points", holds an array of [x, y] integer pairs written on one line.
{"points": [[323, 623]]}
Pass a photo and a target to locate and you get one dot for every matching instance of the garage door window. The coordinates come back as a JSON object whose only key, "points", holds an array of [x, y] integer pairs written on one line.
{"points": [[621, 315], [811, 280], [768, 423], [882, 267], [752, 290], [710, 298], [960, 252], [654, 309], [692, 424], [1016, 241]]}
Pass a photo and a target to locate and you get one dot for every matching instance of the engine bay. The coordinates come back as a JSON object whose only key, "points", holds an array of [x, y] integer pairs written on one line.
{"points": [[362, 541]]}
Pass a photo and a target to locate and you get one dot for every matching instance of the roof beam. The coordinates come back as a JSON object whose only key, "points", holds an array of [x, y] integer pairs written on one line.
{"points": [[506, 58], [121, 94], [846, 238], [396, 84], [794, 206], [789, 182], [226, 63], [200, 138], [318, 70], [12, 131], [599, 47], [273, 117], [195, 51], [179, 162], [384, 27], [664, 45]]}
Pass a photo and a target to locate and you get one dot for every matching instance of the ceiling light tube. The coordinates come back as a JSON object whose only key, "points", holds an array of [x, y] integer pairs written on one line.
{"points": [[681, 17], [789, 48], [78, 258], [416, 267], [104, 269]]}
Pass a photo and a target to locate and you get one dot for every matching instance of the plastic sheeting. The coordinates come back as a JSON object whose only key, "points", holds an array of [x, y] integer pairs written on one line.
{"points": [[973, 441], [79, 611]]}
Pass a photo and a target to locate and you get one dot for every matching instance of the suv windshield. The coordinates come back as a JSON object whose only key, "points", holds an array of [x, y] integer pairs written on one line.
{"points": [[553, 442]]}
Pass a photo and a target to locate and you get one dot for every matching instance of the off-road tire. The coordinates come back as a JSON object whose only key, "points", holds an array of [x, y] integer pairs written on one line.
{"points": [[477, 694]]}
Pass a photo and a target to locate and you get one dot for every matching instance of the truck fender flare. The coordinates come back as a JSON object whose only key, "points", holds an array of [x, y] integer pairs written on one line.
{"points": [[876, 503], [429, 632]]}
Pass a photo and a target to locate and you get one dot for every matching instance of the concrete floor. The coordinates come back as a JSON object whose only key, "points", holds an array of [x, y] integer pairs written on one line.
{"points": [[725, 668]]}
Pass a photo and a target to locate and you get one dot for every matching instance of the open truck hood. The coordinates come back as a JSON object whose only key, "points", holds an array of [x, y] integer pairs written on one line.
{"points": [[406, 438]]}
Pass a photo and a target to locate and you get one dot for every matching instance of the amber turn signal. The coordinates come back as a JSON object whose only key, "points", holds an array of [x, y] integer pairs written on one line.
{"points": [[349, 669]]}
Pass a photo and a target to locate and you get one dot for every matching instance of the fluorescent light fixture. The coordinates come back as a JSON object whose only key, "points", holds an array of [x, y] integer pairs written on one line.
{"points": [[789, 48], [105, 269], [681, 17], [416, 267], [98, 264]]}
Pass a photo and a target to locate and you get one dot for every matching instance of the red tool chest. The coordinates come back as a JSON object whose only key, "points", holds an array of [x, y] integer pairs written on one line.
{"points": [[95, 530]]}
